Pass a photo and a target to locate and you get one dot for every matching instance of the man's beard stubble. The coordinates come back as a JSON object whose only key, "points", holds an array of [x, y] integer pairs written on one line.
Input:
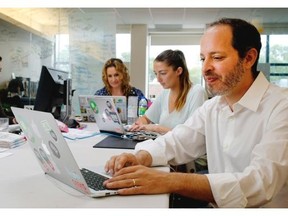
{"points": [[230, 82]]}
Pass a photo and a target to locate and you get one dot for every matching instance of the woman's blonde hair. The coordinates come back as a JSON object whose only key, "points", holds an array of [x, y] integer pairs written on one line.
{"points": [[176, 58], [124, 75]]}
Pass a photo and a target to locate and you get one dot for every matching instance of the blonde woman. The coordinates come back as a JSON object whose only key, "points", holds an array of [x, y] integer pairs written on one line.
{"points": [[117, 80]]}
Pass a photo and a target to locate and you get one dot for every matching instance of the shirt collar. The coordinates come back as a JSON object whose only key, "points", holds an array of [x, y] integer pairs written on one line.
{"points": [[255, 93]]}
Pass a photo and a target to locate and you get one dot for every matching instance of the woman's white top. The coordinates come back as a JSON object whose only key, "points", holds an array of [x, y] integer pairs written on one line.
{"points": [[158, 112]]}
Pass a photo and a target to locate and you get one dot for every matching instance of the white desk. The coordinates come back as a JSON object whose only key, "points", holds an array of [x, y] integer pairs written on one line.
{"points": [[23, 183]]}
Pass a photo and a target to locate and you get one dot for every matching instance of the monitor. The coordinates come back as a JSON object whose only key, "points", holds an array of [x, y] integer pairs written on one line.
{"points": [[54, 93]]}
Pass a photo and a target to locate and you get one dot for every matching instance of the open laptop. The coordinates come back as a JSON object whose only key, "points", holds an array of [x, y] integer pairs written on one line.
{"points": [[109, 122], [54, 155], [87, 112]]}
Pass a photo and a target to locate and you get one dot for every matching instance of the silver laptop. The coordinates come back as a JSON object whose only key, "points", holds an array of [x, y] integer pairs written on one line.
{"points": [[106, 115], [108, 119], [54, 155], [87, 112]]}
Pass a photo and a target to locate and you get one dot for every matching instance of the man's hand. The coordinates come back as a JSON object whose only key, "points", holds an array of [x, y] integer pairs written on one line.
{"points": [[140, 180], [118, 162]]}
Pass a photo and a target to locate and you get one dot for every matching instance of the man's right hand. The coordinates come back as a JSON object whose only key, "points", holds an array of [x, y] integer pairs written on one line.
{"points": [[117, 162]]}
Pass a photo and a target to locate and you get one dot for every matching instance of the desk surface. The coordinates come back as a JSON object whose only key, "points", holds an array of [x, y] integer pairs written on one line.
{"points": [[23, 183]]}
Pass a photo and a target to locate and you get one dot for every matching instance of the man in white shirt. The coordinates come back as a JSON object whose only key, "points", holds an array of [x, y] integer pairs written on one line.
{"points": [[243, 130]]}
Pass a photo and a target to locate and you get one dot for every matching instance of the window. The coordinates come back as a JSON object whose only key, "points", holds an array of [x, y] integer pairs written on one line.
{"points": [[123, 47], [62, 52], [275, 52]]}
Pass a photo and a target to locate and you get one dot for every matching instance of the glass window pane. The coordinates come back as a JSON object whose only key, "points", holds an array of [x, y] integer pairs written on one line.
{"points": [[279, 80], [278, 49], [123, 47], [62, 48], [62, 52], [279, 69]]}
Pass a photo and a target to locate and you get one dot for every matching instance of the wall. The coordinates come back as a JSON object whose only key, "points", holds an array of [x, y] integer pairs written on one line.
{"points": [[138, 65]]}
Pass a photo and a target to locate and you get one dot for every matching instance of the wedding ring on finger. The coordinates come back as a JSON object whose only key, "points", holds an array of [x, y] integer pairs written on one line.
{"points": [[134, 182]]}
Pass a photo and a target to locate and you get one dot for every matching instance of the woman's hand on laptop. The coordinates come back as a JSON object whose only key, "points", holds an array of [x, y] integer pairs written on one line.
{"points": [[153, 128], [136, 126], [144, 124], [141, 121]]}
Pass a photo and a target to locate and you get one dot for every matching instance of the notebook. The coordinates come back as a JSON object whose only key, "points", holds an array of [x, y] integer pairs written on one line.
{"points": [[87, 112], [53, 153], [108, 121]]}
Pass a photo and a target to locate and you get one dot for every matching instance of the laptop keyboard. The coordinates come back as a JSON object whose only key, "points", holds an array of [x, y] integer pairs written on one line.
{"points": [[93, 180], [141, 135]]}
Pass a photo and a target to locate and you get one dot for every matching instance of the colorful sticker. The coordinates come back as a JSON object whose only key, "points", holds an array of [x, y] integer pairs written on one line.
{"points": [[53, 135], [43, 154], [46, 125], [94, 106], [27, 131], [76, 180], [107, 114], [54, 149], [80, 186], [42, 161], [114, 117], [109, 105]]}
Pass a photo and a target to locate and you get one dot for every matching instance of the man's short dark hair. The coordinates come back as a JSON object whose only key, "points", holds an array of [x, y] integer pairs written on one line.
{"points": [[244, 37], [0, 58]]}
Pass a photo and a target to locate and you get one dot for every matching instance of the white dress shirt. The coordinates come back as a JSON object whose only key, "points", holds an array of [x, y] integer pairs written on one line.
{"points": [[247, 149]]}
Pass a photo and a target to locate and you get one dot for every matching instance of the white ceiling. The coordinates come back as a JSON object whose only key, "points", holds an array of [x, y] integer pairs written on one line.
{"points": [[194, 17], [162, 19]]}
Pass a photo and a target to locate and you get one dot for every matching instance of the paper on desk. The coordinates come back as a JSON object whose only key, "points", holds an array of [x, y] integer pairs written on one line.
{"points": [[3, 149], [10, 140], [75, 133]]}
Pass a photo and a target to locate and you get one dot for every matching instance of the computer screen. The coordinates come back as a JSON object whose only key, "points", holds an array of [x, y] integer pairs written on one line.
{"points": [[54, 93]]}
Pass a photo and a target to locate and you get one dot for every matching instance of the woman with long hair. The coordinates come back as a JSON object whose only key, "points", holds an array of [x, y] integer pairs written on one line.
{"points": [[179, 99], [116, 80]]}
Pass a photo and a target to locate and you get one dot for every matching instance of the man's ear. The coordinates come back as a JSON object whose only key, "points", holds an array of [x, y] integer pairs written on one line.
{"points": [[251, 57]]}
